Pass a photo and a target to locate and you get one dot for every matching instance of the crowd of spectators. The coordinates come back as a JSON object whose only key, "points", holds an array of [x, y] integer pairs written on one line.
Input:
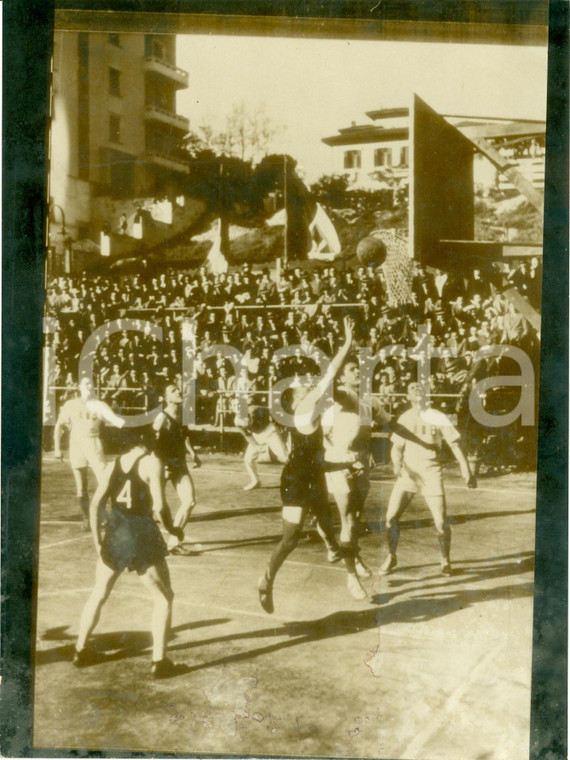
{"points": [[251, 312]]}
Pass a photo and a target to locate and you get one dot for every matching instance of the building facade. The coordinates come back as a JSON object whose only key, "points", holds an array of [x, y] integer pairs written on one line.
{"points": [[115, 133], [375, 155]]}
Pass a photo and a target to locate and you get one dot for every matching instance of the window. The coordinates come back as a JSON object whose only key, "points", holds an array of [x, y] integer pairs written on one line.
{"points": [[383, 157], [404, 156], [114, 128], [352, 159], [114, 39], [115, 82]]}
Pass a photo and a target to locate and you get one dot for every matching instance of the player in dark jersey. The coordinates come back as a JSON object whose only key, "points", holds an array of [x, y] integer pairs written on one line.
{"points": [[130, 539], [172, 445], [303, 485]]}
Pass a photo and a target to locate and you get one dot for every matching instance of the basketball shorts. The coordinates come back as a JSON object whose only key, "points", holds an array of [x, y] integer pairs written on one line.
{"points": [[87, 451], [133, 543], [428, 482], [175, 470], [306, 489]]}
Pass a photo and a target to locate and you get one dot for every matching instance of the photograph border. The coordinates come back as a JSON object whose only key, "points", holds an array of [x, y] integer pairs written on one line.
{"points": [[27, 35]]}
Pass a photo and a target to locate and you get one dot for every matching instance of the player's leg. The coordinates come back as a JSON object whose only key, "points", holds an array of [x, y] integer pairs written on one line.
{"points": [[347, 542], [105, 578], [95, 455], [325, 528], [293, 518], [80, 478], [360, 493], [437, 507], [277, 446], [399, 500], [249, 461], [357, 498], [157, 580]]}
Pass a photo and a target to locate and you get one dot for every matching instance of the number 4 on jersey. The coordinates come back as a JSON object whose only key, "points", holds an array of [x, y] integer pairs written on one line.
{"points": [[125, 496]]}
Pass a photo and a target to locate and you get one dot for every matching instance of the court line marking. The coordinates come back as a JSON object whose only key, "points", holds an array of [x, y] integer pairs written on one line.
{"points": [[66, 541], [174, 561], [59, 522], [65, 592], [415, 747], [506, 490]]}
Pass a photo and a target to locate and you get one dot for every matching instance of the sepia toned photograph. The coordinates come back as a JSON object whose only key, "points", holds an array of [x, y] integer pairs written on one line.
{"points": [[290, 377]]}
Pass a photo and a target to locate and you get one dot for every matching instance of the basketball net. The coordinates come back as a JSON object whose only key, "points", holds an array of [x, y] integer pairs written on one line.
{"points": [[397, 267]]}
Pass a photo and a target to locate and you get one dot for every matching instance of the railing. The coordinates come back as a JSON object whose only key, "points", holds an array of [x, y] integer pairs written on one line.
{"points": [[170, 116], [240, 307], [171, 66], [222, 401]]}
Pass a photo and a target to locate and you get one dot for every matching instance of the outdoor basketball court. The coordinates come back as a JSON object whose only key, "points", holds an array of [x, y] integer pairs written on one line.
{"points": [[428, 667]]}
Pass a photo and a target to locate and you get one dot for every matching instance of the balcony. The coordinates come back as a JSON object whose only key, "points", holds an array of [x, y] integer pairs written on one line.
{"points": [[154, 65], [166, 161], [152, 113]]}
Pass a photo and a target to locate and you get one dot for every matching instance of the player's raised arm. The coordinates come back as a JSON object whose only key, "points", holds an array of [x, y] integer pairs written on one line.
{"points": [[97, 507], [316, 394], [338, 359]]}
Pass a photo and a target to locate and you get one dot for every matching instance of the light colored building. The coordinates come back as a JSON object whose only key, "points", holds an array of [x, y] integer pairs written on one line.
{"points": [[375, 155], [115, 133]]}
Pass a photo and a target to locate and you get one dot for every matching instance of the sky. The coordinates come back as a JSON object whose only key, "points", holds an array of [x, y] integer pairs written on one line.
{"points": [[312, 87]]}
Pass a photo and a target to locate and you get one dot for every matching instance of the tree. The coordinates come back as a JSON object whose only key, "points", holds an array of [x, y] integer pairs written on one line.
{"points": [[332, 190], [247, 135]]}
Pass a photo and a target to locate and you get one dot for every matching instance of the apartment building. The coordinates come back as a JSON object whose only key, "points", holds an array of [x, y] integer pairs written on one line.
{"points": [[115, 133]]}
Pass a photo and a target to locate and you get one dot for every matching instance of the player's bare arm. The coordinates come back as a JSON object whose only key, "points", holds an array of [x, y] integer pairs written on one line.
{"points": [[60, 426], [393, 426], [97, 507], [307, 406], [397, 456], [158, 422], [190, 449], [468, 477], [105, 413], [150, 470]]}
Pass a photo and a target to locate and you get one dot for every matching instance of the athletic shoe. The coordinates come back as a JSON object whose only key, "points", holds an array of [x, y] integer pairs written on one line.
{"points": [[355, 588], [82, 658], [361, 570], [446, 568], [334, 555], [251, 486], [265, 591], [162, 668], [388, 565]]}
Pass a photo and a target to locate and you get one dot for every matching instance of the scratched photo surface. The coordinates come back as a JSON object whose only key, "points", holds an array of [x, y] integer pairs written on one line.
{"points": [[290, 390]]}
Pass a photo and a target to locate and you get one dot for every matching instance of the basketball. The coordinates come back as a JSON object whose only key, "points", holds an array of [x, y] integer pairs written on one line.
{"points": [[371, 251]]}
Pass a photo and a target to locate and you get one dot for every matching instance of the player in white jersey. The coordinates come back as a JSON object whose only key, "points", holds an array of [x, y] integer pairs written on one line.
{"points": [[418, 469], [262, 437], [347, 440], [84, 417]]}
